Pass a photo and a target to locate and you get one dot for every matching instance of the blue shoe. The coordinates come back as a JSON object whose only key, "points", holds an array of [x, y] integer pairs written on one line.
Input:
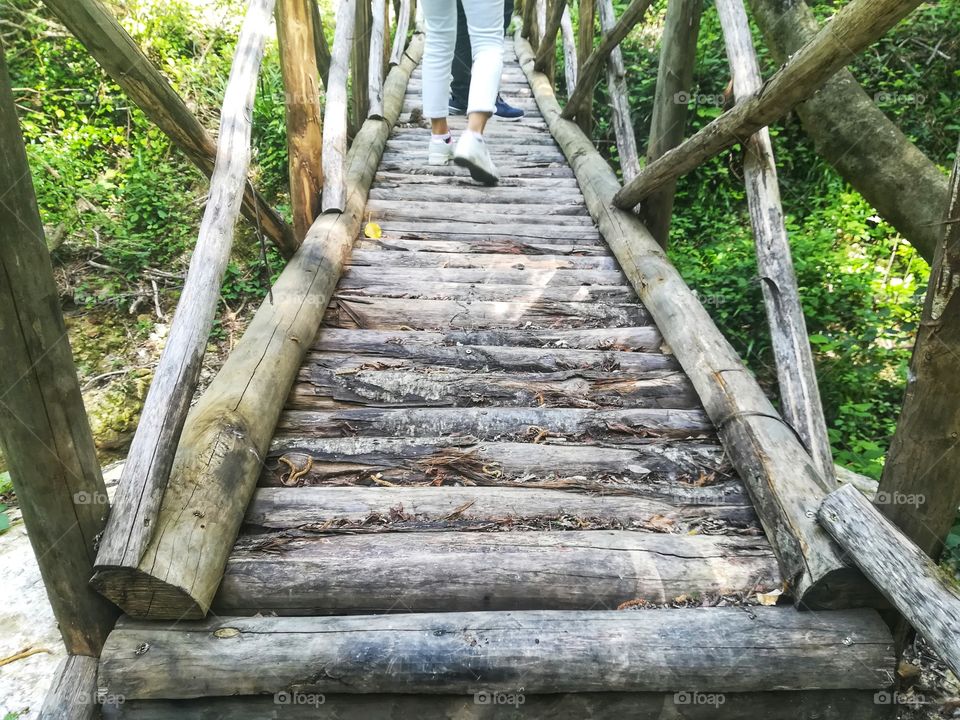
{"points": [[456, 107], [506, 111]]}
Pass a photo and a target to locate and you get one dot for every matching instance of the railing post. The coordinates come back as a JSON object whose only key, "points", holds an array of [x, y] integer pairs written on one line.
{"points": [[378, 43], [321, 48], [546, 61], [400, 36], [360, 61], [620, 99], [44, 430], [335, 111], [678, 55], [585, 34], [296, 34], [570, 65]]}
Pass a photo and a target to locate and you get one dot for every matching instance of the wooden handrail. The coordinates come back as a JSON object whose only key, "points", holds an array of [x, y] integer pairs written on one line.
{"points": [[854, 27], [799, 393], [96, 27], [335, 111], [132, 521], [591, 66]]}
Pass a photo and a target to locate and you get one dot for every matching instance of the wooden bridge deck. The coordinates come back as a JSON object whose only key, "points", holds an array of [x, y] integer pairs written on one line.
{"points": [[489, 430]]}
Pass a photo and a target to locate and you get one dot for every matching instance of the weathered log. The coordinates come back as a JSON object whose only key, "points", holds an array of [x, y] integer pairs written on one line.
{"points": [[796, 374], [592, 64], [586, 20], [412, 167], [321, 48], [325, 509], [95, 26], [335, 111], [807, 704], [571, 65], [44, 431], [688, 472], [852, 29], [131, 524], [903, 572], [866, 485], [594, 281], [620, 98], [295, 34], [451, 230], [924, 454], [229, 429], [378, 41], [529, 24], [855, 136], [477, 196], [452, 571], [711, 649], [428, 210], [547, 52], [395, 287], [400, 35], [778, 471], [668, 123], [360, 61], [487, 261], [485, 243], [73, 695]]}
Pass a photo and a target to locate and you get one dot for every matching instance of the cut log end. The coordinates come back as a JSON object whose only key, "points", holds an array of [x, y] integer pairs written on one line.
{"points": [[141, 595]]}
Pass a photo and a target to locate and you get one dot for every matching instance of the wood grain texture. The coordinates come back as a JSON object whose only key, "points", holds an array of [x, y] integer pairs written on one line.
{"points": [[852, 29], [378, 47], [132, 521], [400, 33], [95, 26], [711, 649], [619, 98], [295, 34], [229, 429], [335, 111], [903, 572], [796, 374], [73, 693], [778, 471], [44, 431]]}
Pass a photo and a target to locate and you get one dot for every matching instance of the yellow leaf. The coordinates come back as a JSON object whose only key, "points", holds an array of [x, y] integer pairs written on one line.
{"points": [[372, 230], [769, 598]]}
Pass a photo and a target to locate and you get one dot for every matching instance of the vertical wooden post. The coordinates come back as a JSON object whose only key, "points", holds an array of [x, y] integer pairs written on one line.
{"points": [[678, 54], [378, 41], [335, 111], [296, 34], [570, 65], [620, 99], [530, 22], [920, 487], [585, 33], [321, 48], [799, 393], [546, 61], [360, 60], [400, 36], [44, 430]]}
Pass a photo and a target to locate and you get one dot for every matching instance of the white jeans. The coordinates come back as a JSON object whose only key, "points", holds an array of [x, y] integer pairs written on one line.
{"points": [[485, 20]]}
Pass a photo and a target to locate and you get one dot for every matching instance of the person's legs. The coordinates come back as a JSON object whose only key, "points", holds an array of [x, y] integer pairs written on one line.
{"points": [[462, 60], [440, 18], [485, 22]]}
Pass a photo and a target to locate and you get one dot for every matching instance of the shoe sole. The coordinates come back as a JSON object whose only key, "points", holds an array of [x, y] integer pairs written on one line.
{"points": [[476, 172], [509, 119]]}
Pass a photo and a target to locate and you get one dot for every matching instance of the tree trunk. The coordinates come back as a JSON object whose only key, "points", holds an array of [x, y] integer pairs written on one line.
{"points": [[335, 110], [620, 99]]}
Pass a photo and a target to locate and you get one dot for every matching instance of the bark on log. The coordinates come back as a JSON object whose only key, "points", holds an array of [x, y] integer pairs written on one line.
{"points": [[452, 571], [903, 572], [924, 454], [711, 649], [44, 431], [295, 34], [360, 61], [796, 374], [855, 27], [668, 124], [145, 475], [95, 26], [806, 704], [335, 112], [852, 134], [378, 46], [229, 429], [73, 694], [778, 471], [590, 66], [620, 99]]}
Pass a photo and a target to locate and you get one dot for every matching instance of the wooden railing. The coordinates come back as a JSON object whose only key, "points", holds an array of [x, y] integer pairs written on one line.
{"points": [[785, 462]]}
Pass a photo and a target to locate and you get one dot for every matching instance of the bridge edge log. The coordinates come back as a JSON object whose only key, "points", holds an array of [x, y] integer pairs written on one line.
{"points": [[228, 431], [779, 473]]}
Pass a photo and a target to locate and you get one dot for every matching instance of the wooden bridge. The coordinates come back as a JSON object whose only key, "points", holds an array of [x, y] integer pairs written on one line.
{"points": [[482, 453]]}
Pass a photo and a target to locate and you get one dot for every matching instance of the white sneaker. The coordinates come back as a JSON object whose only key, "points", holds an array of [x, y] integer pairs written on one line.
{"points": [[440, 152], [472, 153]]}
